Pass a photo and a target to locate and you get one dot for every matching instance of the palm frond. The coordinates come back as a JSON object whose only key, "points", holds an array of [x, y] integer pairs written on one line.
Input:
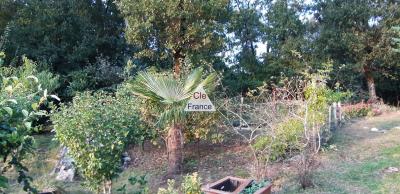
{"points": [[170, 94], [157, 88], [209, 81], [193, 80], [172, 114]]}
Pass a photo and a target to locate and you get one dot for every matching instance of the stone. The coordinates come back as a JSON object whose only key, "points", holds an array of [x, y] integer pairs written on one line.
{"points": [[65, 169], [391, 170], [373, 129], [126, 160]]}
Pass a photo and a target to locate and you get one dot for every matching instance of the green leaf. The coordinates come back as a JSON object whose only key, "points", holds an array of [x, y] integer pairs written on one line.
{"points": [[25, 113], [34, 78], [8, 110], [35, 106], [3, 182], [28, 125], [12, 101]]}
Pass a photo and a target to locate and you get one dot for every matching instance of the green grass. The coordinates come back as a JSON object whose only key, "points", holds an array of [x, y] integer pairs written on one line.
{"points": [[40, 166], [359, 177], [359, 163]]}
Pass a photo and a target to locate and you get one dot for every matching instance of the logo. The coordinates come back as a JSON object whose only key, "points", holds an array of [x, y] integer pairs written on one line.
{"points": [[199, 102]]}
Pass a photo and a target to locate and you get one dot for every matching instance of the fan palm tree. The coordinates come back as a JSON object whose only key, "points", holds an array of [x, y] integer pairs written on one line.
{"points": [[171, 95]]}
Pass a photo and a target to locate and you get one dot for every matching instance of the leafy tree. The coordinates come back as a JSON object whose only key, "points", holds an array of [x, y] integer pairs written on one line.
{"points": [[285, 37], [168, 97], [96, 128], [8, 9], [248, 30], [275, 23], [173, 30], [355, 33], [66, 35]]}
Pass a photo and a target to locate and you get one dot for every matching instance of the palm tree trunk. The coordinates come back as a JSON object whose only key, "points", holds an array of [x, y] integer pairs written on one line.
{"points": [[371, 84], [174, 149]]}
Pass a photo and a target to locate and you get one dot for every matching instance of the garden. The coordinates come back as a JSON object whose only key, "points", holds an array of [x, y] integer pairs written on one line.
{"points": [[199, 97]]}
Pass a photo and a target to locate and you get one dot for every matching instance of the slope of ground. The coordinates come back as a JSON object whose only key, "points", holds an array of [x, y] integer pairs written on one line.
{"points": [[356, 162], [360, 161]]}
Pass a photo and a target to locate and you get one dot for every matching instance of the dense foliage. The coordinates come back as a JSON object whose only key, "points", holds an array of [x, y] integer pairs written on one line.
{"points": [[174, 30], [126, 69], [65, 37], [21, 96], [248, 42], [96, 128]]}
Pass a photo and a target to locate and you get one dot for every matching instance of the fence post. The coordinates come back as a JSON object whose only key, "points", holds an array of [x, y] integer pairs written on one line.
{"points": [[340, 112], [335, 120], [330, 118]]}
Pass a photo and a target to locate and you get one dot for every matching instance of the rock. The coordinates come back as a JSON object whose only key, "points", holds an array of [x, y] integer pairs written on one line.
{"points": [[126, 160], [65, 169], [374, 129], [391, 170], [377, 130]]}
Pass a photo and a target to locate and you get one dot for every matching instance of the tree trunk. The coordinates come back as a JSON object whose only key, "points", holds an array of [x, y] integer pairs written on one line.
{"points": [[178, 59], [109, 187], [174, 149], [371, 84]]}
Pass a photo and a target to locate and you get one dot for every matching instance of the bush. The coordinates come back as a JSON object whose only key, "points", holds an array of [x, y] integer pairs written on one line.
{"points": [[80, 81], [356, 110], [49, 80], [170, 189], [139, 184], [20, 98], [191, 184], [26, 81], [284, 141], [96, 128], [101, 74]]}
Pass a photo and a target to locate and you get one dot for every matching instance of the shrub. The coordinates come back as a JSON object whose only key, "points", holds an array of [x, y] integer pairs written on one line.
{"points": [[26, 81], [262, 119], [191, 184], [170, 189], [96, 128], [356, 110], [139, 184], [284, 141], [20, 99], [101, 74], [80, 81], [49, 80]]}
